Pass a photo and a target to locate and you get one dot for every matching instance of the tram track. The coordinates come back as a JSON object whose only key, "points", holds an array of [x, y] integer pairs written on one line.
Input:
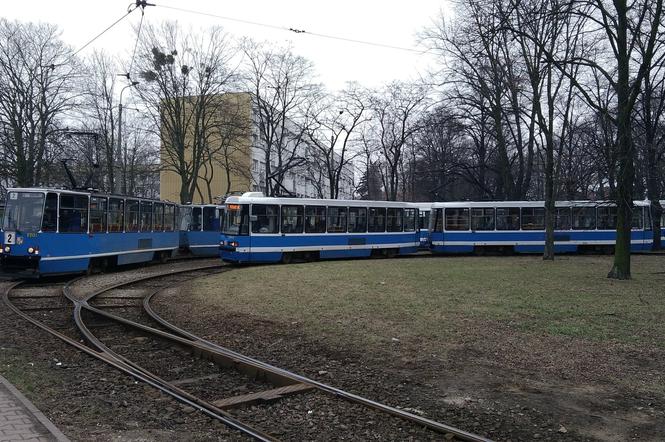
{"points": [[113, 321]]}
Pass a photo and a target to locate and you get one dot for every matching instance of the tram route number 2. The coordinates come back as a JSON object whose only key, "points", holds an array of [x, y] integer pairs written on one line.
{"points": [[10, 238]]}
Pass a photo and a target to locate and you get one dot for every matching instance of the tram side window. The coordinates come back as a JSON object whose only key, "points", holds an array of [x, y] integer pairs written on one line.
{"points": [[376, 219], [267, 218], [507, 218], [438, 220], [409, 220], [584, 218], [562, 218], [73, 213], [50, 220], [195, 225], [357, 219], [533, 218], [158, 214], [482, 219], [132, 216], [116, 212], [210, 220], [394, 222], [169, 217], [638, 218], [146, 216], [607, 218], [97, 214], [292, 219], [647, 219], [457, 219], [336, 219], [315, 219]]}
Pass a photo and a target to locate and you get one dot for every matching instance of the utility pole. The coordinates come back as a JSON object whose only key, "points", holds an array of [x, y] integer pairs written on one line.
{"points": [[119, 152]]}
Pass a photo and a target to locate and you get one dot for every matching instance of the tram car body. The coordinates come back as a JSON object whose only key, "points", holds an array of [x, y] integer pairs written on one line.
{"points": [[54, 231], [263, 229], [514, 226], [200, 227]]}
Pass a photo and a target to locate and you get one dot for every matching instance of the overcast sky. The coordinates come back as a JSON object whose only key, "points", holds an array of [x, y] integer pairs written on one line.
{"points": [[389, 22]]}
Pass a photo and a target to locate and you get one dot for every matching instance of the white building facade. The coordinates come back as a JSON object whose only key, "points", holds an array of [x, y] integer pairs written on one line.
{"points": [[308, 179]]}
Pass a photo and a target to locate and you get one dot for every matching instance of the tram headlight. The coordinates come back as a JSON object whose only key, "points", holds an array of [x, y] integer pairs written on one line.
{"points": [[33, 250], [6, 249]]}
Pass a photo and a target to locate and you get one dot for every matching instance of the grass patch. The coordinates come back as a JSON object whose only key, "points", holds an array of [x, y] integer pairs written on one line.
{"points": [[381, 299], [23, 373]]}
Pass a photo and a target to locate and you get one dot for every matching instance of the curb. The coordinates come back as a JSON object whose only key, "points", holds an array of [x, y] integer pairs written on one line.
{"points": [[29, 406]]}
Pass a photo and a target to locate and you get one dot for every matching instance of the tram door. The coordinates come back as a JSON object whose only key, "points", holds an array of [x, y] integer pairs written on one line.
{"points": [[424, 228]]}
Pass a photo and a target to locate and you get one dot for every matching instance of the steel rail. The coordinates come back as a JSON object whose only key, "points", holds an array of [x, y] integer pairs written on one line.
{"points": [[185, 338], [141, 375], [165, 386], [434, 425]]}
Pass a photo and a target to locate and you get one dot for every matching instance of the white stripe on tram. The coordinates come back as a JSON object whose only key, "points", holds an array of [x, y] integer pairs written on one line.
{"points": [[325, 248], [530, 243], [97, 255]]}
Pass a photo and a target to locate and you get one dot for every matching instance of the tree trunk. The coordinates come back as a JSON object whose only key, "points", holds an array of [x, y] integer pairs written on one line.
{"points": [[625, 157]]}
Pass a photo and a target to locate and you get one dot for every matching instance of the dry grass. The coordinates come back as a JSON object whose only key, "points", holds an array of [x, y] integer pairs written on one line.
{"points": [[376, 300]]}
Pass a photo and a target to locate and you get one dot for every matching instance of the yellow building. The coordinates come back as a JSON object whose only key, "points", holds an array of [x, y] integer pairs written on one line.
{"points": [[226, 164]]}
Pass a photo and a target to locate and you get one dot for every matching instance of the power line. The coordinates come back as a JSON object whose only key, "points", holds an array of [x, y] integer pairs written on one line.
{"points": [[129, 11], [136, 44], [292, 30]]}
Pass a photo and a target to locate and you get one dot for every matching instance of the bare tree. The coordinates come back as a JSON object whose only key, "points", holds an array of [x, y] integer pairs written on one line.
{"points": [[394, 118], [438, 155], [226, 143], [486, 80], [550, 31], [635, 35], [282, 89], [36, 89], [331, 131], [184, 75], [99, 112]]}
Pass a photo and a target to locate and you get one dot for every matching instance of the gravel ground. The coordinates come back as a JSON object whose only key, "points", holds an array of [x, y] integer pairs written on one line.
{"points": [[494, 380], [492, 383], [87, 399]]}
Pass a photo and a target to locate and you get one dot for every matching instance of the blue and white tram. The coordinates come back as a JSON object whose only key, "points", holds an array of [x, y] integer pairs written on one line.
{"points": [[519, 226], [200, 226], [58, 231], [263, 229]]}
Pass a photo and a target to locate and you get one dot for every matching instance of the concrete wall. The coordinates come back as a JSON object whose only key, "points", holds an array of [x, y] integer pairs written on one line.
{"points": [[234, 111]]}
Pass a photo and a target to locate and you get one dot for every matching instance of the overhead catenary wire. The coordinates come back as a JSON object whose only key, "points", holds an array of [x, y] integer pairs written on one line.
{"points": [[136, 44], [291, 29], [130, 9]]}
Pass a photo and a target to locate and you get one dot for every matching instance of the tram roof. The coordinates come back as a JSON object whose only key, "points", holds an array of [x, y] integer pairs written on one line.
{"points": [[489, 204], [257, 198], [84, 192]]}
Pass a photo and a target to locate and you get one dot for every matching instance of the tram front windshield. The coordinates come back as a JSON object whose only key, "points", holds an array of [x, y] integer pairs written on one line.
{"points": [[24, 211], [236, 219]]}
